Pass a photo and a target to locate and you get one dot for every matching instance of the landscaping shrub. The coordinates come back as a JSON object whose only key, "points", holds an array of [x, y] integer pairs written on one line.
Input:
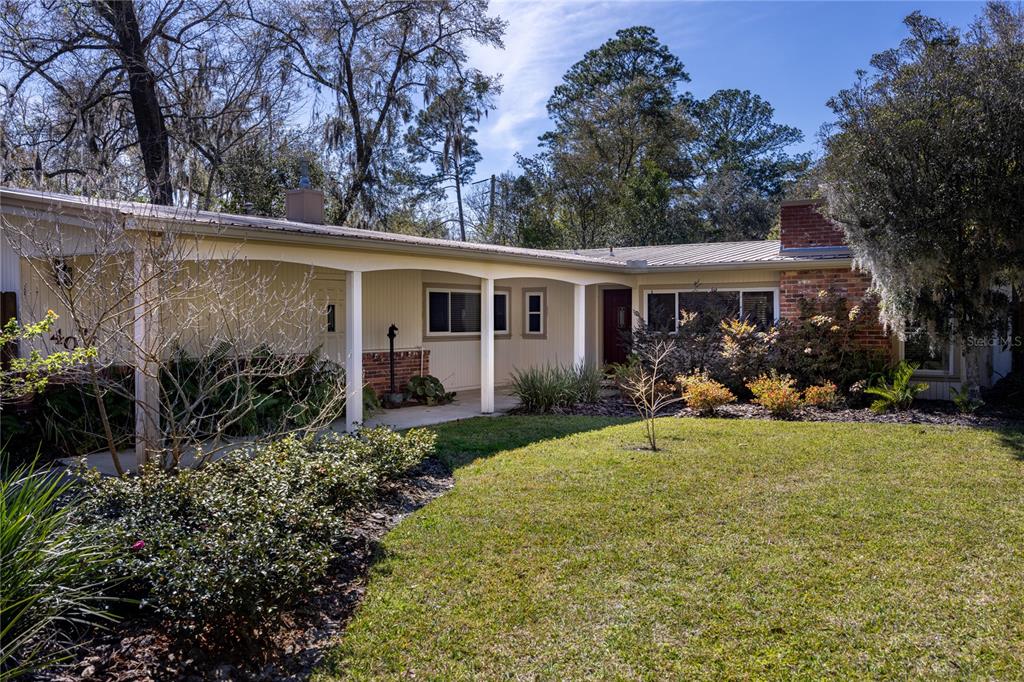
{"points": [[588, 384], [964, 401], [429, 390], [543, 389], [695, 346], [747, 350], [200, 393], [896, 392], [822, 343], [64, 420], [1009, 390], [777, 393], [620, 372], [206, 391], [825, 395], [703, 394], [50, 574], [223, 548]]}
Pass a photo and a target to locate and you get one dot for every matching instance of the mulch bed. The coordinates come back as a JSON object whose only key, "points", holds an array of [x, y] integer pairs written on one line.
{"points": [[143, 649], [923, 412]]}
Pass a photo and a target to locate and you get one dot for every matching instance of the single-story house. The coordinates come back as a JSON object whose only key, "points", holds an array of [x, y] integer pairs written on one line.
{"points": [[471, 313]]}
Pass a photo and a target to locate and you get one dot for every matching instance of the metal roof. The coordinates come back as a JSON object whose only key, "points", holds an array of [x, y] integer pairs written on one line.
{"points": [[707, 253], [634, 258]]}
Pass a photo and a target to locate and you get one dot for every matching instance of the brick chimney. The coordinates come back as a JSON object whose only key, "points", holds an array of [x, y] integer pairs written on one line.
{"points": [[304, 205], [802, 227]]}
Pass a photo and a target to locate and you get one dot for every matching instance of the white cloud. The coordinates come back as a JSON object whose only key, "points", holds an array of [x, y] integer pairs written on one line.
{"points": [[543, 39]]}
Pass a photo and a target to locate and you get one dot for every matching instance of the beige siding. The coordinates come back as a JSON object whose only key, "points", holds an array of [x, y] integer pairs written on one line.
{"points": [[247, 303], [456, 362], [392, 297], [521, 351]]}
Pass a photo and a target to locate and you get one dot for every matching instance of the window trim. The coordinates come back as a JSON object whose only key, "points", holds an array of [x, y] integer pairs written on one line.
{"points": [[949, 371], [463, 289], [543, 293], [776, 311]]}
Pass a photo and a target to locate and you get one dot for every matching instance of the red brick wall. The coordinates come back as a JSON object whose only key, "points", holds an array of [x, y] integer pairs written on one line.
{"points": [[802, 227], [850, 284], [408, 363]]}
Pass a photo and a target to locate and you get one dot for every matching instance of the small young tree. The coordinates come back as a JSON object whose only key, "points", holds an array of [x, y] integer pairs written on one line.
{"points": [[646, 387], [208, 339]]}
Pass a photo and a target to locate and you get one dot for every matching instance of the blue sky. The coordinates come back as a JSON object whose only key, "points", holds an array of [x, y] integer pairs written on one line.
{"points": [[794, 54]]}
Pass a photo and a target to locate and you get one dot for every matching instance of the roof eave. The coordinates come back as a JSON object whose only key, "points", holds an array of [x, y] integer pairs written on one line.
{"points": [[794, 264], [45, 203]]}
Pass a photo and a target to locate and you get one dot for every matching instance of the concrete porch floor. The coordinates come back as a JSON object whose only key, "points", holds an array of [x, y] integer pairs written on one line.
{"points": [[465, 406]]}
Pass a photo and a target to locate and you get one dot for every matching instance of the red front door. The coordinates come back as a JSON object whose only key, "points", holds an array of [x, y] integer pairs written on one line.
{"points": [[617, 322]]}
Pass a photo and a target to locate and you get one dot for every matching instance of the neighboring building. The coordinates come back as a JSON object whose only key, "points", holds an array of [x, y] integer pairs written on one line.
{"points": [[533, 306]]}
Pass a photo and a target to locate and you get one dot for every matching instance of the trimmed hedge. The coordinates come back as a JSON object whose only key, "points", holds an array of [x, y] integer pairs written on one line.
{"points": [[227, 546]]}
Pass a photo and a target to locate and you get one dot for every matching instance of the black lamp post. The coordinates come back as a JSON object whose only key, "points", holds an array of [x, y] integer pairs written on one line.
{"points": [[392, 333]]}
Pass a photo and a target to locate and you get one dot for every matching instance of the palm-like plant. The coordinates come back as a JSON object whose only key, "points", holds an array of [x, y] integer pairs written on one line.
{"points": [[48, 572], [898, 392]]}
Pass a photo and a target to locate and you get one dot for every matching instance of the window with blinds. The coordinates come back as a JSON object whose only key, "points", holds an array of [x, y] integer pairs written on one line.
{"points": [[705, 310], [451, 311]]}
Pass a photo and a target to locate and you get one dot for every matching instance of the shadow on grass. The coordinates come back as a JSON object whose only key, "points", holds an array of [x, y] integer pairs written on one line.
{"points": [[1013, 438], [460, 443]]}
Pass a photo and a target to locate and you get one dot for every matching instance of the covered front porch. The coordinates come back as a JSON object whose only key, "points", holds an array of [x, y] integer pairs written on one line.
{"points": [[472, 333]]}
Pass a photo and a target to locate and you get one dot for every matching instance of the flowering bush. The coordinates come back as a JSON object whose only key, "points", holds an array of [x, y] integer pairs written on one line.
{"points": [[821, 344], [776, 393], [703, 394], [224, 547], [825, 395]]}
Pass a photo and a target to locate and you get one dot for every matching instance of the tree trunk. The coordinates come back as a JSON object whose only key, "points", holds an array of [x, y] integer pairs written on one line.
{"points": [[154, 143], [974, 369], [348, 199], [1017, 329], [458, 199], [108, 431], [490, 209]]}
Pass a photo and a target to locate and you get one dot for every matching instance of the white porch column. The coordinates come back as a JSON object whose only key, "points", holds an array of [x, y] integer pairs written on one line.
{"points": [[353, 350], [636, 307], [579, 325], [486, 345], [144, 334]]}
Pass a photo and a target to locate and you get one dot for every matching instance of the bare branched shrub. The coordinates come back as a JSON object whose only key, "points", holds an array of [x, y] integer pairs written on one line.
{"points": [[647, 389], [214, 341]]}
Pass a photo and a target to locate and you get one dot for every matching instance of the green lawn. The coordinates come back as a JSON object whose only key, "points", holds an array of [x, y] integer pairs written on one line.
{"points": [[748, 549]]}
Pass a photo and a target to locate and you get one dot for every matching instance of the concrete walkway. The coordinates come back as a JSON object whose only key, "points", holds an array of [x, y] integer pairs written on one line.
{"points": [[465, 406]]}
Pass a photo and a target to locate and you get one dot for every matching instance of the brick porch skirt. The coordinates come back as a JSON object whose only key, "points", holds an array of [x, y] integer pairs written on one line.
{"points": [[408, 363]]}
